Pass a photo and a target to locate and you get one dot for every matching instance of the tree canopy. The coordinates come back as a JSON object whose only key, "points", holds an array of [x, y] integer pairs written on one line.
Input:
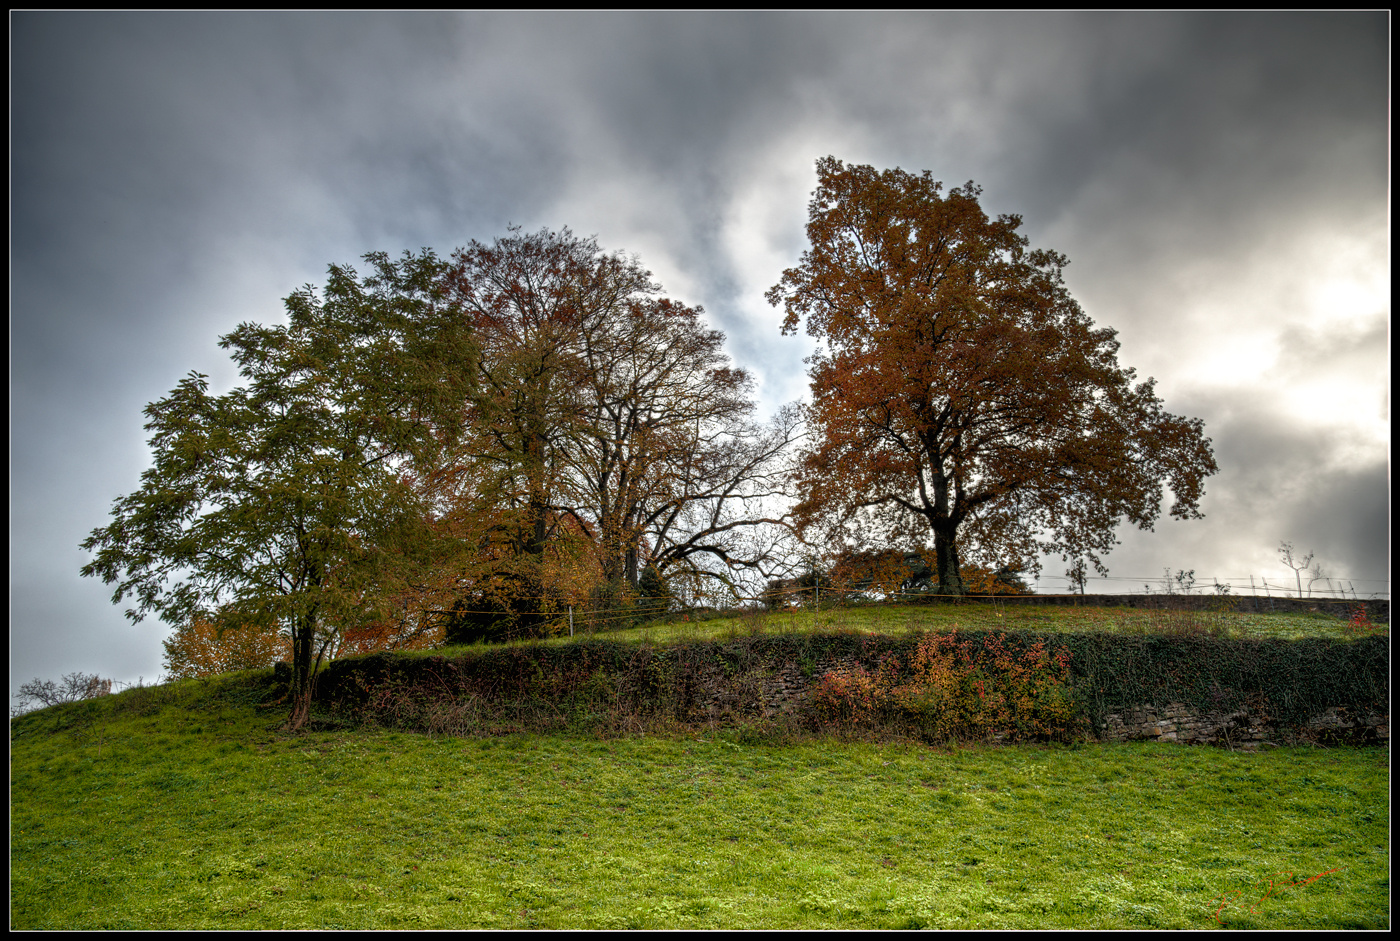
{"points": [[526, 425], [532, 423], [608, 433], [291, 499], [962, 393]]}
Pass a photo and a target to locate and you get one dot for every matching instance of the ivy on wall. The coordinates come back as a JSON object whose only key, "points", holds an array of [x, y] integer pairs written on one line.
{"points": [[956, 685]]}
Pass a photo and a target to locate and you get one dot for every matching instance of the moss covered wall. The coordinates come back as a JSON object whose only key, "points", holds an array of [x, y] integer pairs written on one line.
{"points": [[1233, 692]]}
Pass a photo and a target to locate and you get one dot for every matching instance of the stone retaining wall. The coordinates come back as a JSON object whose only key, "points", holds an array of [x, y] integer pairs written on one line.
{"points": [[766, 693], [769, 681], [1177, 723], [769, 693]]}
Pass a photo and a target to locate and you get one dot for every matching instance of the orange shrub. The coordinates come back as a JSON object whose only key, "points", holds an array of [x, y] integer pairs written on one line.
{"points": [[960, 689]]}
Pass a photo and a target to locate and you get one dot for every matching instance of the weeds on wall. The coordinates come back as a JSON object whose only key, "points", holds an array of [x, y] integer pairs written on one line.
{"points": [[1360, 625], [958, 688], [597, 686], [959, 685]]}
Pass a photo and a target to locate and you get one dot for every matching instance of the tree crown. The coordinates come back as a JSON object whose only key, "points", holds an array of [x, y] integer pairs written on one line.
{"points": [[962, 390]]}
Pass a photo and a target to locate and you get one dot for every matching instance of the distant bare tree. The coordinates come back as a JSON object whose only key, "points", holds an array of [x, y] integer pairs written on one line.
{"points": [[1318, 575], [1286, 553], [71, 688], [1077, 574]]}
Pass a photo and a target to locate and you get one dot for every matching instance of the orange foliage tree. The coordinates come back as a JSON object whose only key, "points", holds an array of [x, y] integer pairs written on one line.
{"points": [[979, 580], [606, 422], [529, 299], [963, 394], [203, 647], [871, 573]]}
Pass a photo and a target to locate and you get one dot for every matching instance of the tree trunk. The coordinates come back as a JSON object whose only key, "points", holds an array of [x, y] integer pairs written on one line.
{"points": [[301, 711], [945, 533], [302, 684], [945, 550]]}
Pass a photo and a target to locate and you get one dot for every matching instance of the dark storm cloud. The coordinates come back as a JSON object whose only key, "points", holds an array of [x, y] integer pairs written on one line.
{"points": [[173, 174], [1303, 486], [269, 121], [1275, 484], [1196, 136], [670, 122], [1222, 110]]}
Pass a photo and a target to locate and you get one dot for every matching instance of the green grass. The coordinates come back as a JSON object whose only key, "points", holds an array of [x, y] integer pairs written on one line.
{"points": [[900, 619], [178, 807]]}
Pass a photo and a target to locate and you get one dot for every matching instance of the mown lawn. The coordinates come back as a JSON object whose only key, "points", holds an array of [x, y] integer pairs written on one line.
{"points": [[179, 807]]}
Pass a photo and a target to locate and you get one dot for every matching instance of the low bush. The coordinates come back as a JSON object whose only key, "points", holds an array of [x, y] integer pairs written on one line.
{"points": [[1360, 625], [960, 689]]}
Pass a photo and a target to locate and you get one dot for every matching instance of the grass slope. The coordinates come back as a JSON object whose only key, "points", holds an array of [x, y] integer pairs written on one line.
{"points": [[179, 807], [899, 619]]}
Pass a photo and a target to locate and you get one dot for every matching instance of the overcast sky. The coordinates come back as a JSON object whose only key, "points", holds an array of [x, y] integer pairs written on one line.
{"points": [[1219, 182]]}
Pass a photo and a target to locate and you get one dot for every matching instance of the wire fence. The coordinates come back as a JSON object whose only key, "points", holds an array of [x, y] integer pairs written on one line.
{"points": [[565, 618], [1187, 583]]}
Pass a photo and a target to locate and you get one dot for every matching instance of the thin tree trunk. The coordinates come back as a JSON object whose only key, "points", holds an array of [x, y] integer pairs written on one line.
{"points": [[303, 639]]}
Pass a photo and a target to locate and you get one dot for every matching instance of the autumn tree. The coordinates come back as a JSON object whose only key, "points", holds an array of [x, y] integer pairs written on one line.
{"points": [[529, 298], [674, 475], [878, 573], [889, 573], [289, 501], [1003, 581], [606, 416], [202, 647], [420, 628], [962, 393]]}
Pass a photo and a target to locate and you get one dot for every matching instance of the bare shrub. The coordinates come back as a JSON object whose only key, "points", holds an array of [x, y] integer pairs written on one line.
{"points": [[459, 717], [39, 694]]}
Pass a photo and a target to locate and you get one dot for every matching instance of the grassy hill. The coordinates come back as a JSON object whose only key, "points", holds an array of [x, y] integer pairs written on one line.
{"points": [[181, 806], [898, 619]]}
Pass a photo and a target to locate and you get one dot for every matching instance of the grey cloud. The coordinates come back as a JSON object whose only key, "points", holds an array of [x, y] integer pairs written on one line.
{"points": [[1281, 481], [1309, 349]]}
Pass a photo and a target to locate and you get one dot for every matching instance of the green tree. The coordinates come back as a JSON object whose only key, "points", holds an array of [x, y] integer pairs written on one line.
{"points": [[291, 499], [963, 393]]}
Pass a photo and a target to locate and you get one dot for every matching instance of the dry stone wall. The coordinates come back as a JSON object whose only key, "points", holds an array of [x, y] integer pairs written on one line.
{"points": [[764, 693], [767, 679], [1175, 722], [770, 693]]}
